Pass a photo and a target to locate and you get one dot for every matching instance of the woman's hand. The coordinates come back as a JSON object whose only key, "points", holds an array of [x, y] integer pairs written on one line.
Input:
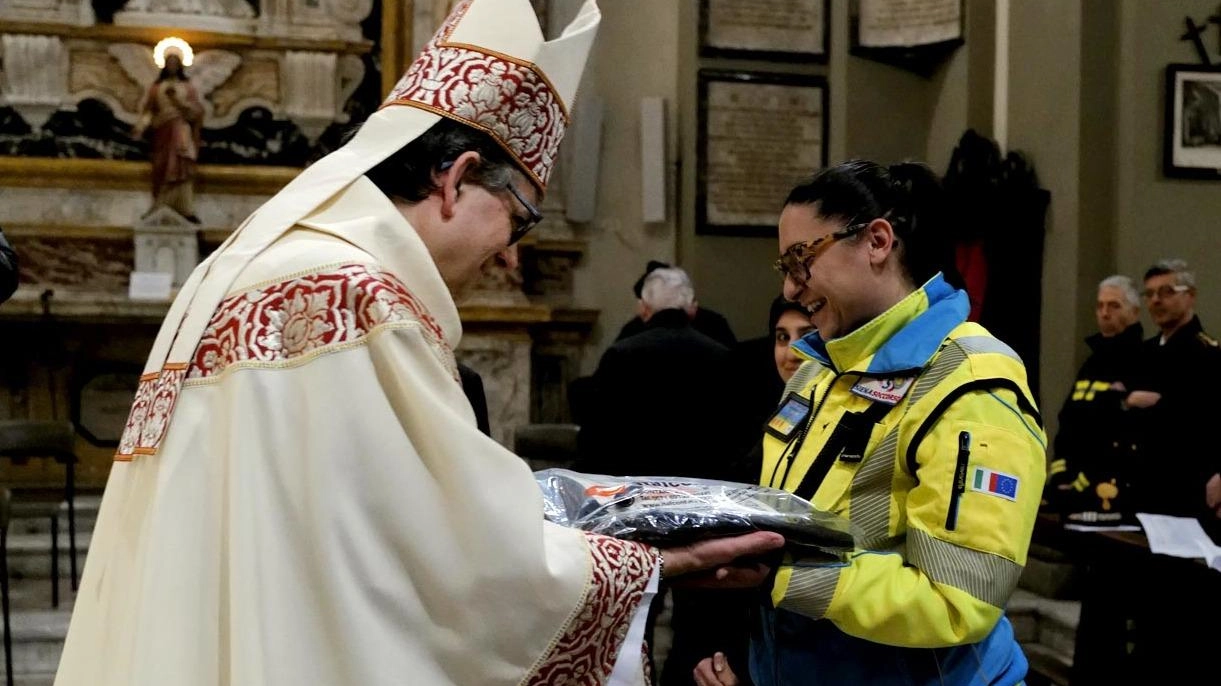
{"points": [[714, 671], [716, 555]]}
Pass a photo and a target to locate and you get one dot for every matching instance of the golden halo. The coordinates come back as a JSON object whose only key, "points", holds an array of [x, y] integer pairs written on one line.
{"points": [[173, 43]]}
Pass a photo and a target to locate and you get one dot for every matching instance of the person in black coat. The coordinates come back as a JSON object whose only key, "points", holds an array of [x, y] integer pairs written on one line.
{"points": [[659, 402], [1176, 401], [472, 387], [661, 407], [708, 322], [1096, 448], [8, 269]]}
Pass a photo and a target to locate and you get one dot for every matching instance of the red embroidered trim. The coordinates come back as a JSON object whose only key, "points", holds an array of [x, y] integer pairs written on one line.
{"points": [[150, 412], [298, 316], [510, 100], [277, 323], [585, 654]]}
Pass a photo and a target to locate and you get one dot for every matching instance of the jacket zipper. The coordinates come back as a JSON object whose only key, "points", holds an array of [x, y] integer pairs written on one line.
{"points": [[960, 479]]}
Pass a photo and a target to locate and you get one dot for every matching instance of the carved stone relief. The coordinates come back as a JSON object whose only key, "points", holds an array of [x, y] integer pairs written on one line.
{"points": [[256, 82], [327, 19], [35, 77], [226, 16], [168, 243], [72, 12]]}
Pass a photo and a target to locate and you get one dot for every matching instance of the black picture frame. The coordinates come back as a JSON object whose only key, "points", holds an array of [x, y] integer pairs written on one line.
{"points": [[782, 178], [767, 55], [1191, 131]]}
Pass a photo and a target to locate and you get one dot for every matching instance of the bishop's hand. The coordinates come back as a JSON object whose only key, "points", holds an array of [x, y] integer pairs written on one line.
{"points": [[730, 562]]}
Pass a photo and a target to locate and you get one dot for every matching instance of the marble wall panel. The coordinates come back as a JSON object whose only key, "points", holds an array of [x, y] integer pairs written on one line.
{"points": [[504, 364]]}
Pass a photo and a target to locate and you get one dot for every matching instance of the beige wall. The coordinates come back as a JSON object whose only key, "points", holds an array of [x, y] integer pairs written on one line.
{"points": [[1043, 123], [1084, 103], [1156, 216], [635, 56]]}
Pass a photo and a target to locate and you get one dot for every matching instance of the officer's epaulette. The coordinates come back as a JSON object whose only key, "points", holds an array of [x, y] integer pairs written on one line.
{"points": [[1208, 340]]}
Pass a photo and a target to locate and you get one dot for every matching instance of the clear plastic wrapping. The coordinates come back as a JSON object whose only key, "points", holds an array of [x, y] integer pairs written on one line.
{"points": [[668, 511]]}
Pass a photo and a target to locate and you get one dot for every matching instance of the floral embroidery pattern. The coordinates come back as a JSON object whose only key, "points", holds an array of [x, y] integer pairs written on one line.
{"points": [[277, 323], [585, 654], [511, 101], [301, 315], [150, 412]]}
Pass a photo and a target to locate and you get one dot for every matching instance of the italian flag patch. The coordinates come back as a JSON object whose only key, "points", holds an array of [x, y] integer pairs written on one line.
{"points": [[995, 483]]}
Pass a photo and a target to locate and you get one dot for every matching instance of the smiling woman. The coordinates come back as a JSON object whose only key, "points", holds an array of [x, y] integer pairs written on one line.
{"points": [[915, 424]]}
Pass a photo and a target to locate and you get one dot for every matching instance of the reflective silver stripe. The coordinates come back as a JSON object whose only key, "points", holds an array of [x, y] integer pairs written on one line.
{"points": [[987, 344], [949, 359], [869, 506], [986, 576], [810, 591], [807, 371]]}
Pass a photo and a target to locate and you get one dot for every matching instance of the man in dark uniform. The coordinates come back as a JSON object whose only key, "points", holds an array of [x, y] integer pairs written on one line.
{"points": [[1095, 445], [1176, 398], [1177, 403]]}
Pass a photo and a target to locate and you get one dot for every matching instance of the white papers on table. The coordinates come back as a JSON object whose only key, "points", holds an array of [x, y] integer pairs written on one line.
{"points": [[1179, 537], [1093, 527]]}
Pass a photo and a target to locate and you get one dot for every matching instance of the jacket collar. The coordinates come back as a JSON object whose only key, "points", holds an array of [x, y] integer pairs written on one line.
{"points": [[901, 339], [1189, 330], [1132, 335], [672, 318]]}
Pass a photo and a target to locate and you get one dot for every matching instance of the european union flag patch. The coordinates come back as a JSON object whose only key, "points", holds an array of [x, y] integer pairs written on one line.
{"points": [[995, 483]]}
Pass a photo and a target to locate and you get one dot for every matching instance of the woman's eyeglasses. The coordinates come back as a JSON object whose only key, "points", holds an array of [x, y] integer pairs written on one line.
{"points": [[795, 262]]}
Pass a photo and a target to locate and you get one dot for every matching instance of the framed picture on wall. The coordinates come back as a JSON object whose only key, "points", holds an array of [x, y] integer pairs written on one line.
{"points": [[1192, 129], [759, 134], [784, 30]]}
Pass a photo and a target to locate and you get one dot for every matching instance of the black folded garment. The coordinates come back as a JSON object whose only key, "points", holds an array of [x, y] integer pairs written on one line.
{"points": [[669, 512]]}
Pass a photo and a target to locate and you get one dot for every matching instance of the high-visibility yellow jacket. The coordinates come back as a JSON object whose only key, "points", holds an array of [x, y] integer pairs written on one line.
{"points": [[920, 428]]}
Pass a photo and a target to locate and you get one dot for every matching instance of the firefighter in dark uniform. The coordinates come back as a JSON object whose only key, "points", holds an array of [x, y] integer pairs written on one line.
{"points": [[1175, 400], [1095, 447]]}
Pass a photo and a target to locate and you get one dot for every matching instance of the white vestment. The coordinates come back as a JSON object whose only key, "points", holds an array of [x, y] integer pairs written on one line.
{"points": [[314, 504]]}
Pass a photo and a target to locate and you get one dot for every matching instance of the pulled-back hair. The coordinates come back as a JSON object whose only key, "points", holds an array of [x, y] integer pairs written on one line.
{"points": [[408, 174], [908, 195]]}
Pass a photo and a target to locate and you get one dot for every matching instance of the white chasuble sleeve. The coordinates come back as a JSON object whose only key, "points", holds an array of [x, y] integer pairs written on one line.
{"points": [[334, 517]]}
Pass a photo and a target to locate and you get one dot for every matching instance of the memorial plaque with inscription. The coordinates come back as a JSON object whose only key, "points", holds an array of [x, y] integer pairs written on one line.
{"points": [[759, 135], [908, 23], [791, 30]]}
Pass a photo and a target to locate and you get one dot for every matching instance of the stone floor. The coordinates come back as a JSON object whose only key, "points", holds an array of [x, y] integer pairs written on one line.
{"points": [[38, 628]]}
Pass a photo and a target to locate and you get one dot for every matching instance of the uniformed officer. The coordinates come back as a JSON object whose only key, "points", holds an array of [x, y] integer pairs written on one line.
{"points": [[916, 425], [1175, 399], [1096, 447]]}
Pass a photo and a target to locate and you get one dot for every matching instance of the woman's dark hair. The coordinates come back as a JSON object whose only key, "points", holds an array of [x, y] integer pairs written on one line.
{"points": [[408, 173], [908, 195], [779, 307]]}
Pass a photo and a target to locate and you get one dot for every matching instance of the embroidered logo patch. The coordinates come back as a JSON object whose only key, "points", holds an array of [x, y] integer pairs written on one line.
{"points": [[995, 483], [889, 391]]}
